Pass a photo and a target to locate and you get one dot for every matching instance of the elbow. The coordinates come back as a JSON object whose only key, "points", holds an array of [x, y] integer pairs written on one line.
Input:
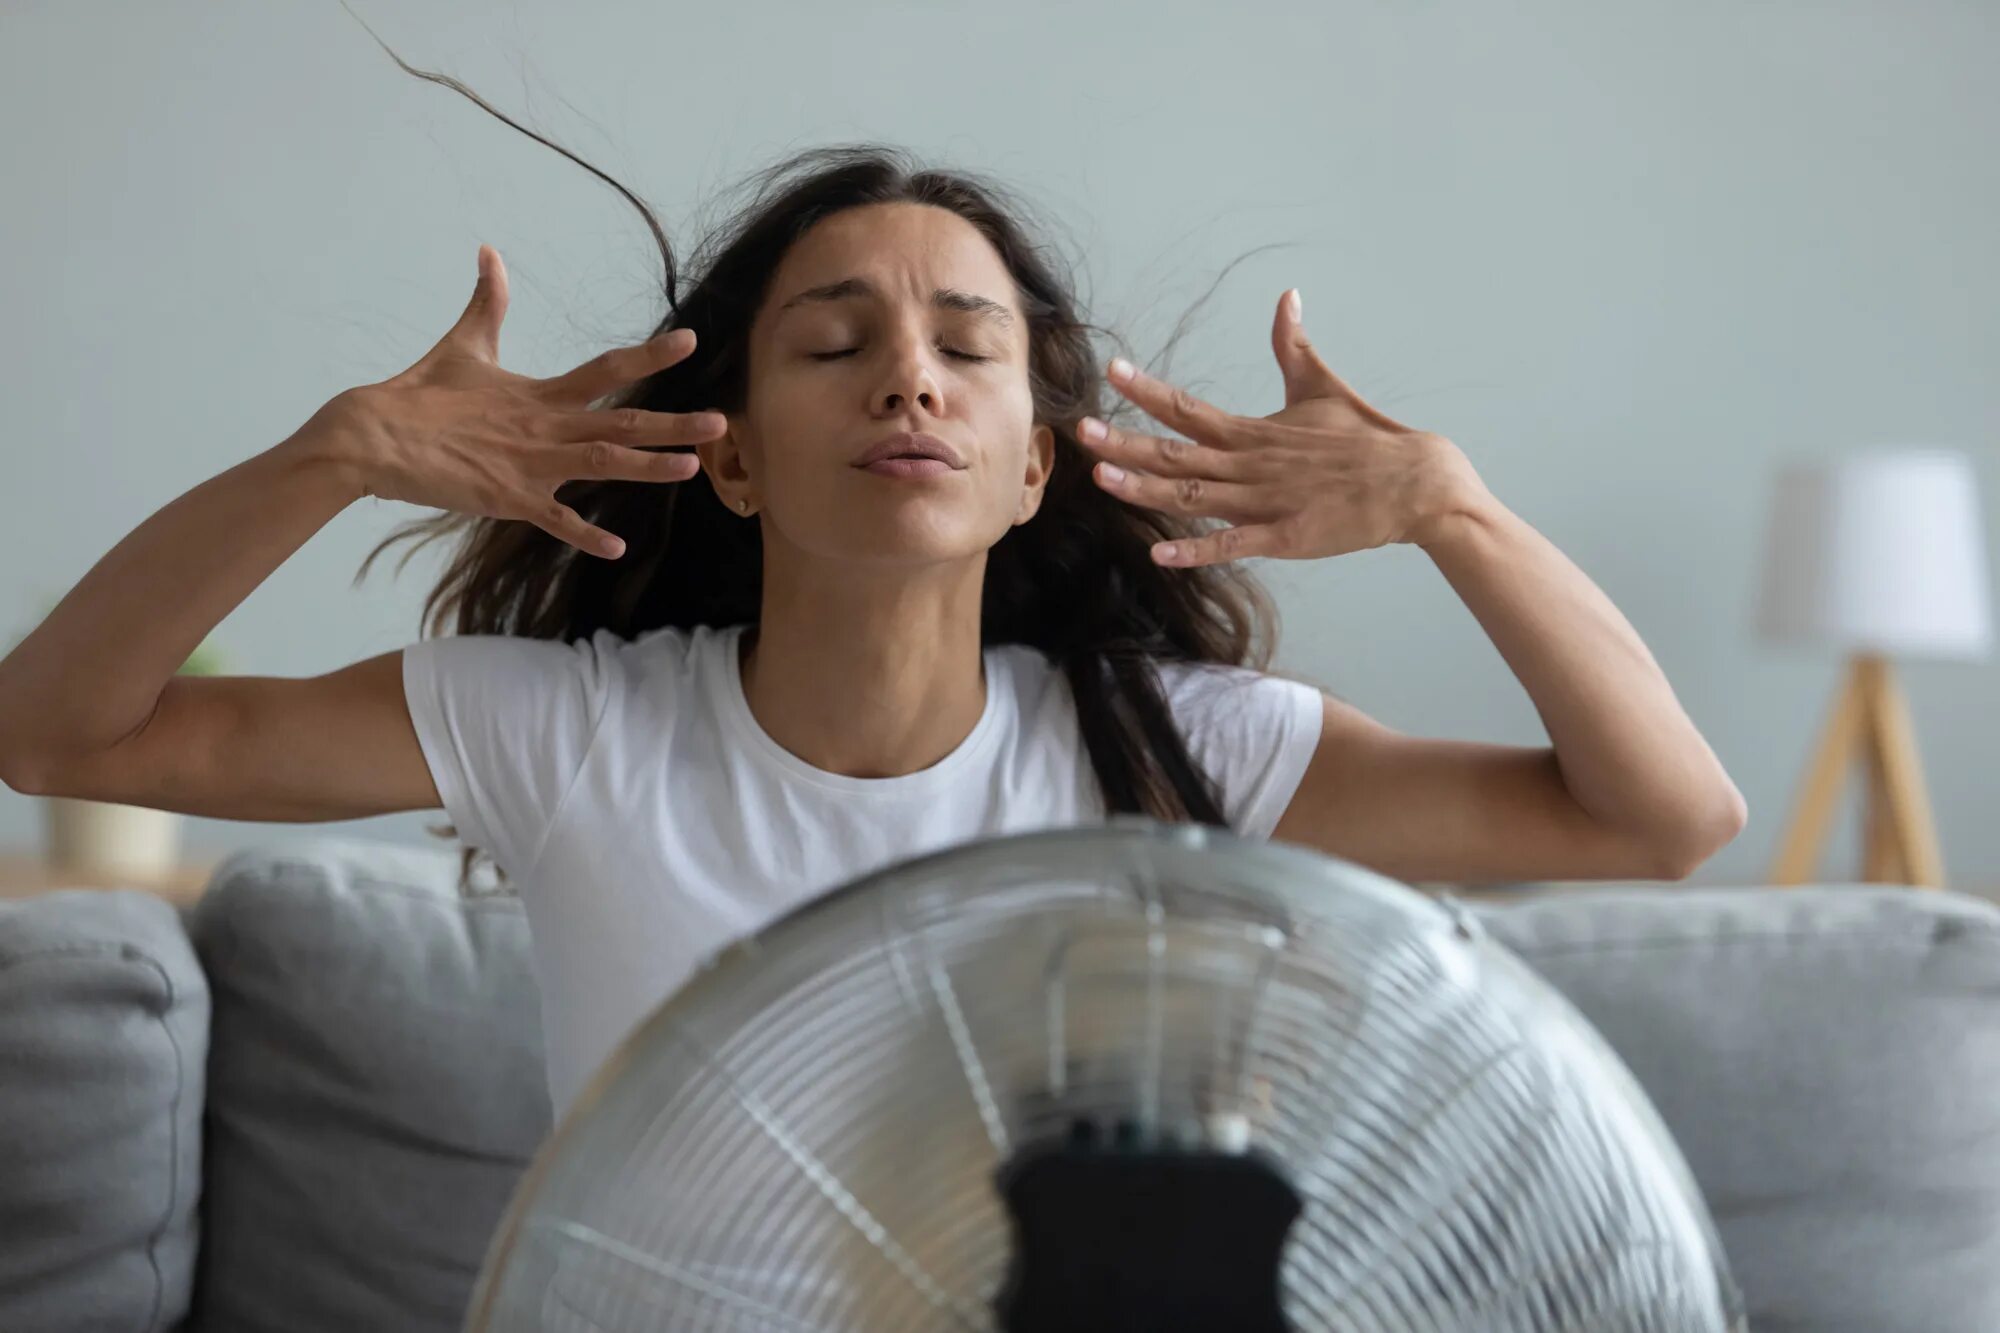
{"points": [[20, 771], [1687, 854], [36, 772], [21, 779]]}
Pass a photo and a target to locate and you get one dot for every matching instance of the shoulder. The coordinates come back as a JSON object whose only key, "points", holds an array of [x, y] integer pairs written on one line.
{"points": [[1239, 714], [1255, 732], [518, 656], [543, 674], [1210, 692]]}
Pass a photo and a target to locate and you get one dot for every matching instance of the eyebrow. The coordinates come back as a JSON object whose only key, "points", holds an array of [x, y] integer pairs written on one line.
{"points": [[944, 298]]}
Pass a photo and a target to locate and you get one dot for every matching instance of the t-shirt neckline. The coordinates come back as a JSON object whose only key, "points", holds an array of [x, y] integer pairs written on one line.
{"points": [[733, 705]]}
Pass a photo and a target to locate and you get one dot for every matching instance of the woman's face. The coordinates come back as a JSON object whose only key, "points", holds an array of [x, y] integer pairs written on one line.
{"points": [[883, 319]]}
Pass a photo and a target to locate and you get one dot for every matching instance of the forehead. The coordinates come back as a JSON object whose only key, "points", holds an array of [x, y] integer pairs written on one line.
{"points": [[894, 253]]}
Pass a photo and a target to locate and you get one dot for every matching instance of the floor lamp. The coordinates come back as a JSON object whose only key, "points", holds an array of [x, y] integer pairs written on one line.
{"points": [[1880, 554]]}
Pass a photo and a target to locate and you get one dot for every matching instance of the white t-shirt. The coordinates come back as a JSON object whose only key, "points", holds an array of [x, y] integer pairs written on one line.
{"points": [[647, 819]]}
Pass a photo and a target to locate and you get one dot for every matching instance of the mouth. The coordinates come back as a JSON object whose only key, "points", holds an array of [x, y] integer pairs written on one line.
{"points": [[910, 454], [910, 467]]}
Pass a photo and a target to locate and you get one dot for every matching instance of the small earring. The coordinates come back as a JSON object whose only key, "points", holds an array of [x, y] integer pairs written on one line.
{"points": [[743, 506]]}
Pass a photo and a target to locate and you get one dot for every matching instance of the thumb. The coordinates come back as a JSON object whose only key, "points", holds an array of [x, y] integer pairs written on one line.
{"points": [[478, 328], [1306, 376]]}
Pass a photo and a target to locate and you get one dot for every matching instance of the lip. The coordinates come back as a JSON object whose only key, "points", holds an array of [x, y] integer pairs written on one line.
{"points": [[910, 444]]}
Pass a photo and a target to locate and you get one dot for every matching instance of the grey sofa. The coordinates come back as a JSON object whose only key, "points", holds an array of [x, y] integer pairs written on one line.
{"points": [[303, 1104]]}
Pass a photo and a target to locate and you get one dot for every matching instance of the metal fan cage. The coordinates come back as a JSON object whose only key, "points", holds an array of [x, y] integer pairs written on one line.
{"points": [[805, 1136]]}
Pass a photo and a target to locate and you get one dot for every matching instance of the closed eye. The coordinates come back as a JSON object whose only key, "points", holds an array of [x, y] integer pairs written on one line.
{"points": [[850, 351]]}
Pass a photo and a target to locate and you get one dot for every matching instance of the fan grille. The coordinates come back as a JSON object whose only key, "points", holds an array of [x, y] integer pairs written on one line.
{"points": [[806, 1136]]}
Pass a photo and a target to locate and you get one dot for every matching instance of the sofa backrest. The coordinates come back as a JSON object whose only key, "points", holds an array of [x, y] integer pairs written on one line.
{"points": [[375, 1086], [1828, 1060], [104, 1024]]}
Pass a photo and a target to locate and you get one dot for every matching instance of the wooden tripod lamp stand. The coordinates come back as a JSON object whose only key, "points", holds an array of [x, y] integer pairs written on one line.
{"points": [[1880, 553]]}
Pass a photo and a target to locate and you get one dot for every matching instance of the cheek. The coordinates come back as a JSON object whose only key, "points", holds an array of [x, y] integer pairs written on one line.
{"points": [[1005, 409], [788, 417], [782, 399]]}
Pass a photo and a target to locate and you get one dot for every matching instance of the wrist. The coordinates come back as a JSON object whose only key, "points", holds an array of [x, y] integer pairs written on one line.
{"points": [[330, 445], [1454, 499]]}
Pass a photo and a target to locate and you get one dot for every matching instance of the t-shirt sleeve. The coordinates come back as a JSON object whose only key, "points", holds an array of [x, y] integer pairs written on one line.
{"points": [[1254, 733], [505, 723]]}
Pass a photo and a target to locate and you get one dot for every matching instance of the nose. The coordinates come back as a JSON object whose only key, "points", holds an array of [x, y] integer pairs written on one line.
{"points": [[909, 379]]}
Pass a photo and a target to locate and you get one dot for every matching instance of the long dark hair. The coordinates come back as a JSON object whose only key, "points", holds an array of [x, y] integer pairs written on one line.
{"points": [[1076, 581]]}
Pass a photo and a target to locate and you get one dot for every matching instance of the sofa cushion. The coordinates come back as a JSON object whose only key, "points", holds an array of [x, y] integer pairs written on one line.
{"points": [[376, 1086], [1828, 1059], [103, 1035]]}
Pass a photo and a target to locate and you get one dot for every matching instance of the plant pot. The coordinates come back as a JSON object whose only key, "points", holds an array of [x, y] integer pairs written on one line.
{"points": [[99, 837]]}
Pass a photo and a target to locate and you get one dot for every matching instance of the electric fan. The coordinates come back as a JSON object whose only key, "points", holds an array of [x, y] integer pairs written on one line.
{"points": [[1128, 1076]]}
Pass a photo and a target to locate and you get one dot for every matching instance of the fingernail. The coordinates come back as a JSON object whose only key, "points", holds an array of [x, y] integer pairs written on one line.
{"points": [[1090, 428], [1298, 307], [1121, 369], [1112, 472]]}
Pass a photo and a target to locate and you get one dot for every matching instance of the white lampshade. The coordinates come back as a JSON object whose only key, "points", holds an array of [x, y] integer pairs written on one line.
{"points": [[1879, 551]]}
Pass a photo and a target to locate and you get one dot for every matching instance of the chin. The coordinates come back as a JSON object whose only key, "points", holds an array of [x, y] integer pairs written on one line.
{"points": [[907, 535]]}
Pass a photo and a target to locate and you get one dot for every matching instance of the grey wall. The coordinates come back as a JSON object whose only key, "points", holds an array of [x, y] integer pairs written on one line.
{"points": [[1627, 256]]}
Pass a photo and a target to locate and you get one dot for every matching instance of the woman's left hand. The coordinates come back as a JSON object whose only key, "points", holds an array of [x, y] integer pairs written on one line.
{"points": [[1326, 475]]}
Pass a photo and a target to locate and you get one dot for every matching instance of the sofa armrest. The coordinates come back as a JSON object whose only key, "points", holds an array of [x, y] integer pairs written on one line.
{"points": [[104, 1024]]}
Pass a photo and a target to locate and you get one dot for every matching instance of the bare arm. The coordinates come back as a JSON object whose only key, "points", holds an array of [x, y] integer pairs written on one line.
{"points": [[89, 702], [1628, 784], [1629, 790], [91, 673], [90, 705], [1626, 751]]}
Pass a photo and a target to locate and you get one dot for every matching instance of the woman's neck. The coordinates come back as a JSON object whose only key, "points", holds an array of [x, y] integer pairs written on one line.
{"points": [[868, 678]]}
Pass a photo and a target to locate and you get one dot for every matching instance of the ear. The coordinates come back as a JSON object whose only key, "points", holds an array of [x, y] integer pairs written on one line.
{"points": [[723, 458], [1035, 481]]}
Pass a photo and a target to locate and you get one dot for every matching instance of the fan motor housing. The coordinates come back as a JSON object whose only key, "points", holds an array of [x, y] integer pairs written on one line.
{"points": [[1135, 1232]]}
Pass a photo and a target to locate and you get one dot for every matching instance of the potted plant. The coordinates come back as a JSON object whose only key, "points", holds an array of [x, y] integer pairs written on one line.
{"points": [[105, 838]]}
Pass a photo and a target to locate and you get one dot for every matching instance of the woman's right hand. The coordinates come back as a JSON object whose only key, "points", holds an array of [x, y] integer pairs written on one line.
{"points": [[456, 432]]}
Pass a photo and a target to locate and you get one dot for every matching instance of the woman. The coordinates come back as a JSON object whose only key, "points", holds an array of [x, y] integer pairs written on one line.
{"points": [[900, 595]]}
